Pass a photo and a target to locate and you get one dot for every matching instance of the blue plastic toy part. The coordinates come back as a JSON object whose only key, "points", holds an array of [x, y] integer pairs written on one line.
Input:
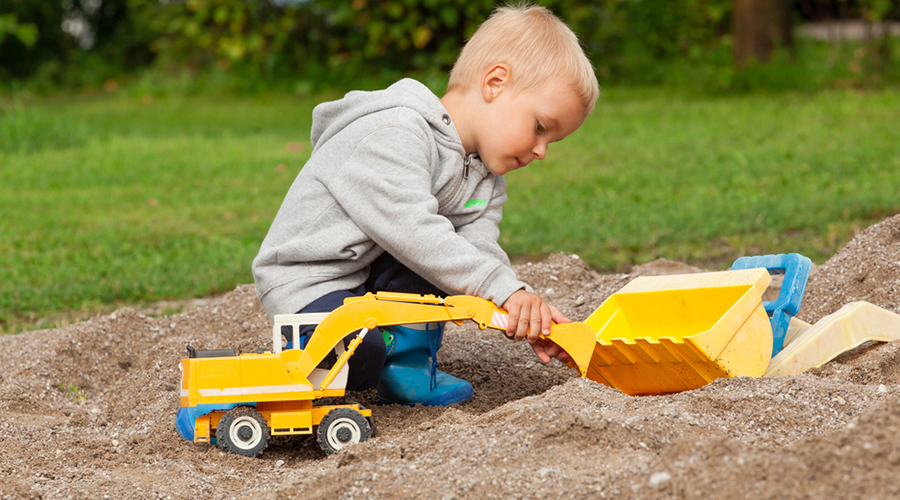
{"points": [[795, 268], [186, 416]]}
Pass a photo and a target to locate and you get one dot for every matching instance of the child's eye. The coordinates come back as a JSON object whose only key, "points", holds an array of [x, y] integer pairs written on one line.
{"points": [[540, 128]]}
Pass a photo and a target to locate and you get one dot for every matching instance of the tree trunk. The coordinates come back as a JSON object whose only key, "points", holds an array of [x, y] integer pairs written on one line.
{"points": [[757, 27]]}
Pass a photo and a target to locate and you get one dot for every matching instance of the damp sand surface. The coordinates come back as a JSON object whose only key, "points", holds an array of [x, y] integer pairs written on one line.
{"points": [[87, 411]]}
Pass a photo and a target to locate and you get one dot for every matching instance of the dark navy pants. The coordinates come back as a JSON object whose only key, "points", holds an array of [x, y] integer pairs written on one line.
{"points": [[386, 275]]}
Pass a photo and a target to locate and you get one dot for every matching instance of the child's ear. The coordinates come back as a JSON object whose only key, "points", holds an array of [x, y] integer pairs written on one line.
{"points": [[495, 80]]}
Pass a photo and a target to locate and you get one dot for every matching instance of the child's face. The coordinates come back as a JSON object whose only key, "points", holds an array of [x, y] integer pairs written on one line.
{"points": [[516, 129]]}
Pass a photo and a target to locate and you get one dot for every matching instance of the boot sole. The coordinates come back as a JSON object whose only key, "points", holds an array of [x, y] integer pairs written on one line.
{"points": [[457, 395]]}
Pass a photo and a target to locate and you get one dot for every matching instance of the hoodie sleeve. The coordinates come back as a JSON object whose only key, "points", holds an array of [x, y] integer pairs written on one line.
{"points": [[484, 232], [385, 188]]}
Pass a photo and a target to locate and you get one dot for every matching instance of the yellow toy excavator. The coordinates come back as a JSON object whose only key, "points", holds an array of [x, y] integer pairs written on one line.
{"points": [[272, 393], [716, 327]]}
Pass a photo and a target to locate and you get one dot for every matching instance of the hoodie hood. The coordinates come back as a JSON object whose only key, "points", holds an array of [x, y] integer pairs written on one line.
{"points": [[332, 117]]}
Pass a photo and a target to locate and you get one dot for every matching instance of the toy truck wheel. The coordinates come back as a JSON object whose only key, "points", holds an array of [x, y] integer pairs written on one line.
{"points": [[242, 431], [369, 418], [342, 427]]}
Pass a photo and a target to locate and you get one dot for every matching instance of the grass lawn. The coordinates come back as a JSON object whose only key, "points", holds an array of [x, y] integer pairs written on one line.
{"points": [[120, 199], [706, 180]]}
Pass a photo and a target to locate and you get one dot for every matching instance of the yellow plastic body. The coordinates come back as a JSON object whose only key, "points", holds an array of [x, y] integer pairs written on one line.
{"points": [[241, 379], [809, 346], [296, 417], [657, 335], [279, 383], [370, 311], [665, 334]]}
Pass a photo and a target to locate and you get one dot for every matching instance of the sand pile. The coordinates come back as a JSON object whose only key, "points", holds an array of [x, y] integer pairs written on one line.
{"points": [[86, 411], [867, 268]]}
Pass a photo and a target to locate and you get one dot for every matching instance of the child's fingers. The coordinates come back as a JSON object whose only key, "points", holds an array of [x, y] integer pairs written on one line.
{"points": [[540, 321], [547, 350], [524, 320], [546, 318], [512, 321], [558, 316], [555, 351], [514, 310], [536, 324], [519, 317], [540, 349], [529, 316]]}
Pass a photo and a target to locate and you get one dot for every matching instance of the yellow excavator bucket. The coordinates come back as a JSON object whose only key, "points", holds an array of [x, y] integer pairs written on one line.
{"points": [[666, 334]]}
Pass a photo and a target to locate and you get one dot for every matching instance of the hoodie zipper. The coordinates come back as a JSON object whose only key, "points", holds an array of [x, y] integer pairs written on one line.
{"points": [[466, 162]]}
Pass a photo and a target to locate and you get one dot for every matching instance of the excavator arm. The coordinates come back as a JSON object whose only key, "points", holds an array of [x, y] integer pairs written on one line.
{"points": [[576, 338], [387, 308]]}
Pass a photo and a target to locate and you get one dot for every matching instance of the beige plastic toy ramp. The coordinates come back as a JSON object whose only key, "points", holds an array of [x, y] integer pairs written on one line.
{"points": [[808, 346], [665, 334]]}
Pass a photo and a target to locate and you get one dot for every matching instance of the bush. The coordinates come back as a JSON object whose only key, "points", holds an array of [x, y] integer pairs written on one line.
{"points": [[330, 41], [71, 42], [628, 41], [310, 42], [304, 45]]}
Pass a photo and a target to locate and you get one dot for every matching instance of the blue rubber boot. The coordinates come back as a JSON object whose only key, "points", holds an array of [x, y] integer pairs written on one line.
{"points": [[409, 377], [186, 416]]}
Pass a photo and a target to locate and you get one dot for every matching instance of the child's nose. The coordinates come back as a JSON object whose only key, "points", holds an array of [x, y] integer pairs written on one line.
{"points": [[540, 151]]}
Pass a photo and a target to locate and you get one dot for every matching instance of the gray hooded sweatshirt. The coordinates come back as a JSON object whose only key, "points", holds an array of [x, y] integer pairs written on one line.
{"points": [[388, 173]]}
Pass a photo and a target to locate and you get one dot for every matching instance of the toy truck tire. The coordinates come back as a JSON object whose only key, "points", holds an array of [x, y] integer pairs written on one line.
{"points": [[242, 431], [369, 418], [342, 427]]}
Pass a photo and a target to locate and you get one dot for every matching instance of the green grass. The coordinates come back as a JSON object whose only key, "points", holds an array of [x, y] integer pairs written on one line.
{"points": [[160, 200], [108, 199], [708, 179]]}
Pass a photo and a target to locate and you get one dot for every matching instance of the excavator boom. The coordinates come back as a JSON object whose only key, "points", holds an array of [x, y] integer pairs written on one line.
{"points": [[374, 310], [385, 309]]}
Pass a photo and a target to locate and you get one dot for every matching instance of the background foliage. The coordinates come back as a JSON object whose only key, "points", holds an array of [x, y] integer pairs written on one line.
{"points": [[305, 45], [146, 183]]}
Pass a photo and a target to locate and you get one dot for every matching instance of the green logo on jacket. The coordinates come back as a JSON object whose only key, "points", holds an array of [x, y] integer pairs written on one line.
{"points": [[476, 203]]}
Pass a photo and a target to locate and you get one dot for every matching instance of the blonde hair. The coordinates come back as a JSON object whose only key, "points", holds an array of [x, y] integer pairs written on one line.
{"points": [[538, 47]]}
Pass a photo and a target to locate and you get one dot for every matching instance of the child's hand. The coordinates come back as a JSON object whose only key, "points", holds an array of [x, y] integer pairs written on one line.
{"points": [[530, 317], [547, 350]]}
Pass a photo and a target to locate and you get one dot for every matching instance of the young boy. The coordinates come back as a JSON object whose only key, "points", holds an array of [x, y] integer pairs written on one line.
{"points": [[404, 192]]}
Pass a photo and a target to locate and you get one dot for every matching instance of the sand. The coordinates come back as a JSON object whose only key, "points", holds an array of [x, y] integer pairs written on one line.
{"points": [[87, 411]]}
